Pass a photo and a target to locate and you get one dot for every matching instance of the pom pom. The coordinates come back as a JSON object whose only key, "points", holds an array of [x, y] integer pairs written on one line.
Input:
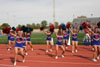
{"points": [[41, 28], [51, 30], [24, 29], [63, 26], [31, 29], [18, 29], [98, 24], [81, 27], [6, 30], [84, 24], [13, 28], [68, 26], [59, 26], [28, 30], [52, 26], [88, 24]]}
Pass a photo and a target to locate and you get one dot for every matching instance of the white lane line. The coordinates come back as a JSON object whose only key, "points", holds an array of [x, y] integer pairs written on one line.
{"points": [[37, 61], [66, 57], [11, 65], [63, 62]]}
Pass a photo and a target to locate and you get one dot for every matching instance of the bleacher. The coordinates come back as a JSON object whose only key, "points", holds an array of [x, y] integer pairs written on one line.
{"points": [[92, 20]]}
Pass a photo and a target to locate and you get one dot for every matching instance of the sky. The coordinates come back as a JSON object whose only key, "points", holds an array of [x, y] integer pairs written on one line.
{"points": [[17, 12]]}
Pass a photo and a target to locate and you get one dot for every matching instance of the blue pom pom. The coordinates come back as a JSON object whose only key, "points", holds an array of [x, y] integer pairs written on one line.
{"points": [[13, 28], [81, 27], [63, 26]]}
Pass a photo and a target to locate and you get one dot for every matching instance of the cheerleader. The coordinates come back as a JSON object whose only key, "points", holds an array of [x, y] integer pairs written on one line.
{"points": [[92, 38], [9, 45], [48, 40], [66, 34], [59, 43], [96, 43], [19, 47], [74, 40], [87, 34], [24, 43], [28, 38], [11, 39]]}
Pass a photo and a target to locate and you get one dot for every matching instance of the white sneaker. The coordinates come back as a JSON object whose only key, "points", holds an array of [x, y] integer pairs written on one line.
{"points": [[15, 63], [72, 51], [46, 51], [62, 56], [94, 60], [98, 58], [32, 49], [23, 60], [93, 49], [26, 53], [50, 50], [76, 51], [66, 47], [8, 49], [56, 57]]}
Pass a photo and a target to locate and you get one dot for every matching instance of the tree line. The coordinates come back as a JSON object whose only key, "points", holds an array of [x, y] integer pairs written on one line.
{"points": [[44, 24]]}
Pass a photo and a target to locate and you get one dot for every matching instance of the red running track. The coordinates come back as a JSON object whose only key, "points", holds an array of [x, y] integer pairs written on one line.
{"points": [[39, 58]]}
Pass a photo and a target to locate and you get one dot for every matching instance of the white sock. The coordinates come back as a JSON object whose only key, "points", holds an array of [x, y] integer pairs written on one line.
{"points": [[56, 57], [94, 60], [50, 50], [62, 56], [98, 58], [15, 63], [46, 51]]}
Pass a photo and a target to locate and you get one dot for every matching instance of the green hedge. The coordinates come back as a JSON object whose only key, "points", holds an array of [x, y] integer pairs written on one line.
{"points": [[40, 38]]}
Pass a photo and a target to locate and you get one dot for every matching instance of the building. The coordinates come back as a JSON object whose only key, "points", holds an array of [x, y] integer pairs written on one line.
{"points": [[91, 20]]}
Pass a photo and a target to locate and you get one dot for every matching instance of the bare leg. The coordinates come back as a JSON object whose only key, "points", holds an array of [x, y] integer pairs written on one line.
{"points": [[30, 44], [98, 52], [50, 46], [47, 46], [63, 49], [16, 53], [22, 54], [63, 42], [66, 44], [25, 50], [76, 44], [73, 47], [95, 54], [9, 45], [13, 44], [56, 52]]}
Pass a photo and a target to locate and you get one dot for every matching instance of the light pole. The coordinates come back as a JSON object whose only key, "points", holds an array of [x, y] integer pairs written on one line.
{"points": [[54, 16]]}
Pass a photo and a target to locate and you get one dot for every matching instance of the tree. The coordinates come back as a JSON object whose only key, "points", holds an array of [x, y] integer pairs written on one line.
{"points": [[44, 23], [29, 25], [19, 26], [4, 25], [56, 24], [37, 26], [69, 23], [33, 25]]}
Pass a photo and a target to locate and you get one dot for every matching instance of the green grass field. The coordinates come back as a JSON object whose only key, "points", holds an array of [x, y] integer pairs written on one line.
{"points": [[40, 38]]}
